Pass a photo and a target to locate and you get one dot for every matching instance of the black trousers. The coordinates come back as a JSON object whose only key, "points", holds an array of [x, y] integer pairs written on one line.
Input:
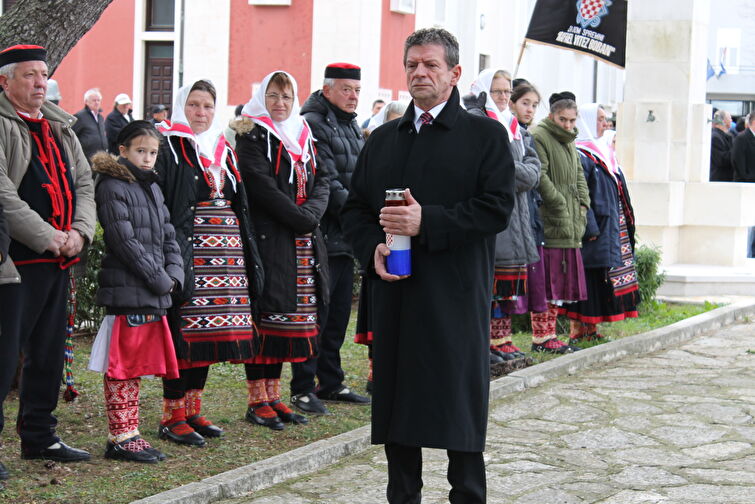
{"points": [[33, 320], [466, 473], [327, 365]]}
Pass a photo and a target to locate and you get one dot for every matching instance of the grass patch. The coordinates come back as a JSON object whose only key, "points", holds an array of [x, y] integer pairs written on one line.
{"points": [[83, 424]]}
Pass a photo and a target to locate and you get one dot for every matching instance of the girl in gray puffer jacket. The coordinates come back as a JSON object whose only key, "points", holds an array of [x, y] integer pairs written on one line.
{"points": [[141, 267]]}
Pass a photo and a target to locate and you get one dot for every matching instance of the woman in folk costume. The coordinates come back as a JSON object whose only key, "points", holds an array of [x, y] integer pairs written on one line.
{"points": [[564, 212], [608, 250], [515, 246], [289, 196], [212, 316]]}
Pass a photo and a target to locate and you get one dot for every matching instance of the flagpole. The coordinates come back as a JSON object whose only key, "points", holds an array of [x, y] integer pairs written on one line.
{"points": [[519, 60]]}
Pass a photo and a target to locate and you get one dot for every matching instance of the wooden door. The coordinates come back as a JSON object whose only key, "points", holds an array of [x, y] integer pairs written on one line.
{"points": [[158, 77]]}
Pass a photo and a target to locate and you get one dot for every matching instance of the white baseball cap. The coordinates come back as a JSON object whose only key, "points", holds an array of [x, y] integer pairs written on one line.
{"points": [[122, 99]]}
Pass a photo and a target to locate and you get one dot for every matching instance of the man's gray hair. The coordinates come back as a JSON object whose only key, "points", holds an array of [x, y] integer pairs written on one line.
{"points": [[436, 36], [719, 117], [8, 70], [91, 92], [328, 81], [751, 117]]}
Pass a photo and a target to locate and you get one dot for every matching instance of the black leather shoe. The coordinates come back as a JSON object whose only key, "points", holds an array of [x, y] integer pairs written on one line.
{"points": [[344, 395], [4, 474], [309, 403], [273, 422], [157, 453], [495, 358], [122, 451], [205, 429], [59, 452], [190, 438], [288, 416]]}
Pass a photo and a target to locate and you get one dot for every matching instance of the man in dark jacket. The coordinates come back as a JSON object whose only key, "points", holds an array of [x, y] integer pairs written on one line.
{"points": [[460, 179], [743, 152], [721, 169], [331, 113], [90, 125], [116, 120]]}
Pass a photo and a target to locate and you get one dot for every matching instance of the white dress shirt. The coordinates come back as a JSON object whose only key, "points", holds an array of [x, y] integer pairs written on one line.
{"points": [[433, 112]]}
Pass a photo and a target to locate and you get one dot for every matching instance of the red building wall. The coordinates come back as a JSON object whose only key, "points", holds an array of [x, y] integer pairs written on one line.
{"points": [[268, 38], [103, 58], [393, 31]]}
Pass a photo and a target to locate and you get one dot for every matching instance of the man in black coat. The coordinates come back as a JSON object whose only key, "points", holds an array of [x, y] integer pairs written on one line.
{"points": [[90, 125], [720, 148], [116, 120], [460, 179], [743, 152], [331, 113]]}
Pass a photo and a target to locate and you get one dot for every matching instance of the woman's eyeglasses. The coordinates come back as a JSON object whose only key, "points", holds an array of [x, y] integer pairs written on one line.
{"points": [[275, 97]]}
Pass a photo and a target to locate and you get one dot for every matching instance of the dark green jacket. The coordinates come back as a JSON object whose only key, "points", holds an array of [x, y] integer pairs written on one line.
{"points": [[562, 186]]}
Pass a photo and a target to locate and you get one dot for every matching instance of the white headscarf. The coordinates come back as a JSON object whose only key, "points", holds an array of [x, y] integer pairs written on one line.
{"points": [[211, 147], [293, 132], [483, 82], [587, 136]]}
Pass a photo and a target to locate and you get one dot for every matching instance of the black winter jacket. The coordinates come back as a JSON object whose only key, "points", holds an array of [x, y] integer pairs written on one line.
{"points": [[278, 219], [743, 157], [721, 168], [142, 259], [113, 125], [338, 141], [183, 186], [91, 133]]}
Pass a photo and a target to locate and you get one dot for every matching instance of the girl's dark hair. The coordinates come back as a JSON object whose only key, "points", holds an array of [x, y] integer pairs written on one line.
{"points": [[136, 129], [204, 85], [523, 89]]}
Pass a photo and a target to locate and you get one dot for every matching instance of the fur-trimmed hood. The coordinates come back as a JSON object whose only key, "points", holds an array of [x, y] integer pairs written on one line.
{"points": [[106, 164], [242, 125]]}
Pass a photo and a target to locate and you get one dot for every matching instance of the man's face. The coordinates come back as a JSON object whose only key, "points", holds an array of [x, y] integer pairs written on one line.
{"points": [[602, 124], [160, 116], [727, 120], [377, 107], [27, 89], [565, 118], [428, 77], [344, 94], [752, 126], [93, 102], [123, 109]]}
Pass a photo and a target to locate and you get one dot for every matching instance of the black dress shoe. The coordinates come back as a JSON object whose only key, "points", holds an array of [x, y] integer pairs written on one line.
{"points": [[157, 453], [271, 422], [288, 416], [4, 474], [130, 451], [206, 428], [192, 438], [495, 358], [309, 404], [344, 395], [59, 452]]}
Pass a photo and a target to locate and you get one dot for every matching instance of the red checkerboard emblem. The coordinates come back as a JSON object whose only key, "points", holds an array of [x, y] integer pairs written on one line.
{"points": [[389, 239], [590, 8]]}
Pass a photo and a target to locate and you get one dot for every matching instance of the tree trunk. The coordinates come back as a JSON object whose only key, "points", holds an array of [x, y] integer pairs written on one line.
{"points": [[56, 25]]}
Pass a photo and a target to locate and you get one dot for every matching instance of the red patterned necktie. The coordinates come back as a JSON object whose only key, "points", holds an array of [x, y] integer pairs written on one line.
{"points": [[426, 118]]}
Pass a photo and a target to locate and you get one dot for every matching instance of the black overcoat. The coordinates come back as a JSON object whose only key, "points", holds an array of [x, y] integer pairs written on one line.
{"points": [[431, 330]]}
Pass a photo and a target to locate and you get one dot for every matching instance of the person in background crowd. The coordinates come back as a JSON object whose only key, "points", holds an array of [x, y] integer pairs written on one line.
{"points": [[159, 114], [393, 110], [289, 195], [516, 247], [564, 211], [47, 194], [90, 125], [377, 106], [743, 152], [212, 315], [608, 245], [116, 120], [331, 113], [229, 132], [740, 127], [431, 329], [141, 267], [53, 91], [721, 169]]}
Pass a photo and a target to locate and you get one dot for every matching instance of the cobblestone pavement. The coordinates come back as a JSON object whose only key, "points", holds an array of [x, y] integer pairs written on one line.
{"points": [[672, 427]]}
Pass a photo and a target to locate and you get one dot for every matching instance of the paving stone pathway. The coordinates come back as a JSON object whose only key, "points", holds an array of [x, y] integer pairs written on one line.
{"points": [[672, 427]]}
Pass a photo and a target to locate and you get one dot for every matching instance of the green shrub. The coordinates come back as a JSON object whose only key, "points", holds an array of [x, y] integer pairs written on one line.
{"points": [[88, 314], [648, 262]]}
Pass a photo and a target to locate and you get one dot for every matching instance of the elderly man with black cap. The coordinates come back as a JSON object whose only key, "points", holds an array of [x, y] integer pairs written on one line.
{"points": [[331, 113], [47, 195]]}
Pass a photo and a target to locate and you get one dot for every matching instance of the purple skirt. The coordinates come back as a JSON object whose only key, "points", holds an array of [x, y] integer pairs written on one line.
{"points": [[535, 300], [564, 275]]}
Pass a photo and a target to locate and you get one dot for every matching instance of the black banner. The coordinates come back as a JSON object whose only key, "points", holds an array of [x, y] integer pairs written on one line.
{"points": [[597, 28]]}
